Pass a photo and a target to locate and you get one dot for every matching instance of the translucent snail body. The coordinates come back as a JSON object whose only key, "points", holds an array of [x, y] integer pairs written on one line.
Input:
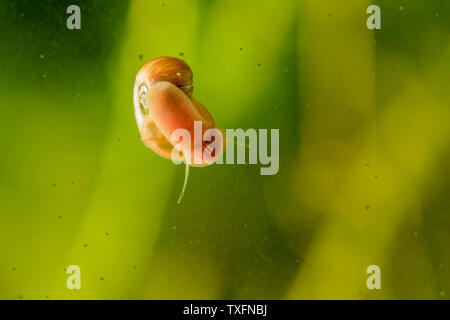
{"points": [[163, 103]]}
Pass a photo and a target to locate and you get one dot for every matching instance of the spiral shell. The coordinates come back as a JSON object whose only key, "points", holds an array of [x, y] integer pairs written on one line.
{"points": [[163, 102]]}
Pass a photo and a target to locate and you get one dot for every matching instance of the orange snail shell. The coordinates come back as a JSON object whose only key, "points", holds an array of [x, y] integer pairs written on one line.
{"points": [[163, 102]]}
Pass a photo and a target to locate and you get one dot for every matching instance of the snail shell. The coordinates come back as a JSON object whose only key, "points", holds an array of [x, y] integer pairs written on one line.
{"points": [[163, 102]]}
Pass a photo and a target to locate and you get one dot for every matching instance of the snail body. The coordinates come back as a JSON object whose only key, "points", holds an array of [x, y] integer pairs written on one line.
{"points": [[163, 102]]}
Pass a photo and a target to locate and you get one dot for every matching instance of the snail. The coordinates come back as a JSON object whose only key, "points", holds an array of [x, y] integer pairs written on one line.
{"points": [[163, 103]]}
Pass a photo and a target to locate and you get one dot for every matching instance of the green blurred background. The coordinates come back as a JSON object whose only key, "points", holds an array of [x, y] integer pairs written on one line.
{"points": [[364, 151]]}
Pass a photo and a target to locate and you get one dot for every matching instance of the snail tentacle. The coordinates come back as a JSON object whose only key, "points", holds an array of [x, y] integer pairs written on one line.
{"points": [[186, 175]]}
